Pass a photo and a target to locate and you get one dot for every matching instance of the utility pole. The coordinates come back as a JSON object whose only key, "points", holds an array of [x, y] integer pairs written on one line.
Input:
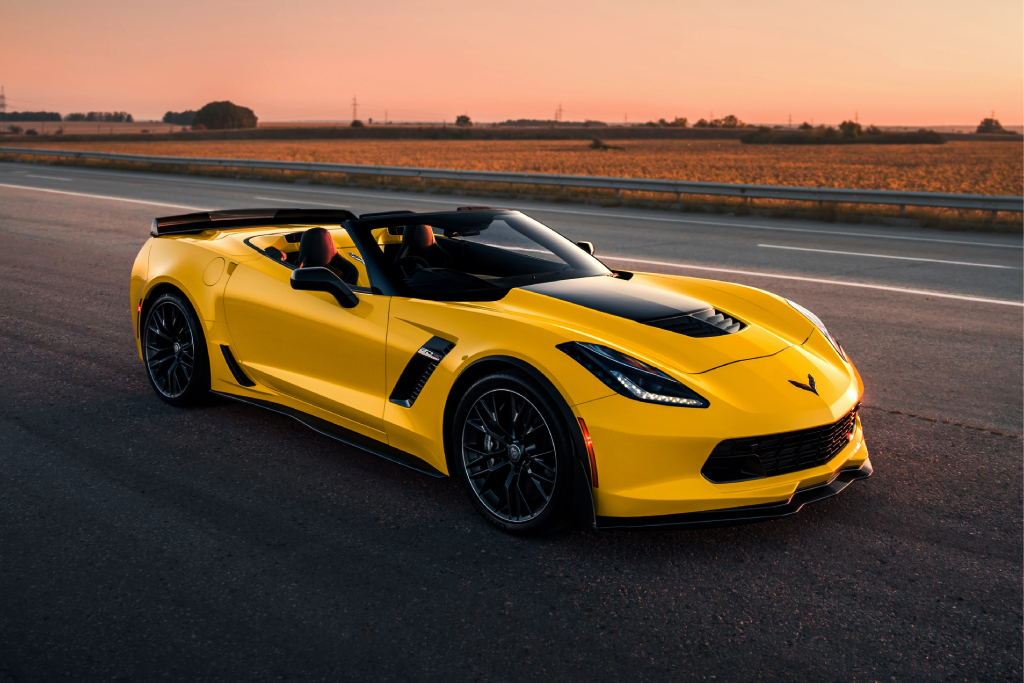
{"points": [[856, 117], [790, 120], [355, 108], [385, 117], [558, 113], [3, 106]]}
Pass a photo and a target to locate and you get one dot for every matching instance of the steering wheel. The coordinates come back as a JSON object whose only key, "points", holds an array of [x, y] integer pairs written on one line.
{"points": [[408, 265]]}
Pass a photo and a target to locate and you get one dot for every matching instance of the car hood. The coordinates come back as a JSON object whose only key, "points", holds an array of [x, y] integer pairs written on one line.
{"points": [[687, 324]]}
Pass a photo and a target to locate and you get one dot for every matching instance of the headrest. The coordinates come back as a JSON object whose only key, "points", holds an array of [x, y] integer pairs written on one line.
{"points": [[316, 248], [418, 236]]}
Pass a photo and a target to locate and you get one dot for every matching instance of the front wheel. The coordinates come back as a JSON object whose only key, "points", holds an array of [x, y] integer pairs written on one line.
{"points": [[174, 349], [513, 454]]}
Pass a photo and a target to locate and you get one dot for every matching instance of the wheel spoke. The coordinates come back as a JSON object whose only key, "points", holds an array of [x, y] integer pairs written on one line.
{"points": [[170, 353], [495, 432]]}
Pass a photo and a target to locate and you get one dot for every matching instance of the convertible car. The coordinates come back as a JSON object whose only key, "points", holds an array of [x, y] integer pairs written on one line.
{"points": [[480, 344]]}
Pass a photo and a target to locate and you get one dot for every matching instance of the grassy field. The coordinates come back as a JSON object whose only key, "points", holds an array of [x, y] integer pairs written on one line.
{"points": [[960, 167]]}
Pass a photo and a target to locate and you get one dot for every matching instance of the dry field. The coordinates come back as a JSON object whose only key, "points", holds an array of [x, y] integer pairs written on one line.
{"points": [[960, 167]]}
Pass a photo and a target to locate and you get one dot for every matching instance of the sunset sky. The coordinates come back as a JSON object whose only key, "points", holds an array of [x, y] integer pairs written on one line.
{"points": [[912, 62]]}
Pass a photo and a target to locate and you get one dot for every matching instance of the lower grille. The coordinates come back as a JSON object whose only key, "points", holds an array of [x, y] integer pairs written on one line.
{"points": [[757, 457]]}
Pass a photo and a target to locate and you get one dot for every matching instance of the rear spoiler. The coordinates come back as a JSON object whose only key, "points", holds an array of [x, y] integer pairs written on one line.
{"points": [[191, 223]]}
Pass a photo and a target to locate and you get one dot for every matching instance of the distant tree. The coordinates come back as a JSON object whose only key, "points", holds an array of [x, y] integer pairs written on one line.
{"points": [[31, 116], [679, 122], [703, 123], [356, 123], [463, 120], [601, 145], [806, 126], [180, 118], [850, 129], [224, 115], [15, 129], [730, 121], [993, 126], [873, 130], [31, 131], [102, 116]]}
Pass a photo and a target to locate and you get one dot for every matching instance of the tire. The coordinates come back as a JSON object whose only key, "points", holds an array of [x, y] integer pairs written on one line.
{"points": [[513, 454], [174, 350]]}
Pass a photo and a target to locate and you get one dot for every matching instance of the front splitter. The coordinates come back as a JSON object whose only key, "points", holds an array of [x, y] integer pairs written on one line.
{"points": [[748, 513]]}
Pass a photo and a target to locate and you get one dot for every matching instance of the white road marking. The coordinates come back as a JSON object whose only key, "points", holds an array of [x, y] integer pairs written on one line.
{"points": [[407, 197], [902, 290], [50, 177], [719, 224], [900, 258], [106, 197], [304, 201]]}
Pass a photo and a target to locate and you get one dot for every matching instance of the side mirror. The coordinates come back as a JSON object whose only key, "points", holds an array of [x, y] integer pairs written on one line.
{"points": [[587, 247], [323, 280]]}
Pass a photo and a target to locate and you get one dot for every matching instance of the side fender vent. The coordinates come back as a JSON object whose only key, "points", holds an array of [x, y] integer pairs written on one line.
{"points": [[419, 369], [709, 323], [235, 368]]}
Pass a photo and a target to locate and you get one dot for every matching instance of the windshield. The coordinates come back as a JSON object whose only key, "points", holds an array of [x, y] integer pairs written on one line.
{"points": [[478, 254]]}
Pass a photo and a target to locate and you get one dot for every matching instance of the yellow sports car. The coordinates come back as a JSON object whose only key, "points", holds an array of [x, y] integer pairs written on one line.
{"points": [[480, 344]]}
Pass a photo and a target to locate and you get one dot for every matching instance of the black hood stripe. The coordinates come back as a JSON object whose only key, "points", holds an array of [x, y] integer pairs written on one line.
{"points": [[621, 298]]}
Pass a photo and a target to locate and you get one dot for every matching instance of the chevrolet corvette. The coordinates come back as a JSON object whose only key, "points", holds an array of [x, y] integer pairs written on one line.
{"points": [[480, 344]]}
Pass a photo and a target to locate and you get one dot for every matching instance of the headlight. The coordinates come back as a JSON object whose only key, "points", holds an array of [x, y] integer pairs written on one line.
{"points": [[821, 326], [632, 378]]}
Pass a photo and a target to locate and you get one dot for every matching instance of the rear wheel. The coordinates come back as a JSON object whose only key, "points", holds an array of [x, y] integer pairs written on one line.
{"points": [[513, 454], [174, 349]]}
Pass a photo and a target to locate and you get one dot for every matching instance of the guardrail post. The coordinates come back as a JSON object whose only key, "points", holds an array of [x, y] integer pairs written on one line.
{"points": [[995, 215], [903, 209]]}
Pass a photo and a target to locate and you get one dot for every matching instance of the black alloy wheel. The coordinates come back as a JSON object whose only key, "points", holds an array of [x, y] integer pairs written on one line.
{"points": [[513, 454], [175, 351]]}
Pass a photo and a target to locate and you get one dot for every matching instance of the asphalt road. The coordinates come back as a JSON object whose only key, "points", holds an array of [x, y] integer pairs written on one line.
{"points": [[143, 542]]}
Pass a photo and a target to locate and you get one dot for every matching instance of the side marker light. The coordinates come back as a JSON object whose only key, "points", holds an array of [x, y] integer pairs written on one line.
{"points": [[590, 451]]}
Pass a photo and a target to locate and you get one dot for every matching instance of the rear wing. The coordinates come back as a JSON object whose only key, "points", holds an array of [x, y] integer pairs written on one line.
{"points": [[191, 223]]}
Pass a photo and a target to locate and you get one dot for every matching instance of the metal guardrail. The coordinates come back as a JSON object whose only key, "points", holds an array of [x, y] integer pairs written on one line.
{"points": [[676, 187]]}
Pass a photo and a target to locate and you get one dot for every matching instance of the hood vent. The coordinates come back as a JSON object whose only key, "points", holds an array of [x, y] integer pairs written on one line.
{"points": [[707, 323]]}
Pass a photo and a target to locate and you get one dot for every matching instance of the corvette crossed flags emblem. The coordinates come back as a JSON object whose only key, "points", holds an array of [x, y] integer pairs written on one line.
{"points": [[810, 386]]}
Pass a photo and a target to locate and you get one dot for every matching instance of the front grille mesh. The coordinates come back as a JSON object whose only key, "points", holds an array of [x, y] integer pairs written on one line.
{"points": [[709, 323], [767, 456]]}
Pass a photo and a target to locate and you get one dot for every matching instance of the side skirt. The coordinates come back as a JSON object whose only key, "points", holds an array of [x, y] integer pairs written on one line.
{"points": [[743, 515], [346, 436]]}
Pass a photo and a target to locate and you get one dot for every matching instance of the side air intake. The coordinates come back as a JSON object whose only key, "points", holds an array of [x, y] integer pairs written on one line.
{"points": [[708, 323]]}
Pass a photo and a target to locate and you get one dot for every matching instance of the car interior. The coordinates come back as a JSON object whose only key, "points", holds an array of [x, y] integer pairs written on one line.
{"points": [[316, 248]]}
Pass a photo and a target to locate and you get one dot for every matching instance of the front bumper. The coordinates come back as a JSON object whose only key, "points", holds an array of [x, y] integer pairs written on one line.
{"points": [[747, 513]]}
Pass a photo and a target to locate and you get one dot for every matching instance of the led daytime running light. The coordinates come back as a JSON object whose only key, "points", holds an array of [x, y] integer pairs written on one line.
{"points": [[644, 395], [631, 377]]}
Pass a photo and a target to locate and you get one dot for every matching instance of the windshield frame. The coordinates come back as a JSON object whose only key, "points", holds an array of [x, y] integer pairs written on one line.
{"points": [[382, 277]]}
